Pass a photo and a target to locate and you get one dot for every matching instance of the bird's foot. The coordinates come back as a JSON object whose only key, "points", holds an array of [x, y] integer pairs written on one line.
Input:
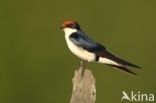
{"points": [[81, 66]]}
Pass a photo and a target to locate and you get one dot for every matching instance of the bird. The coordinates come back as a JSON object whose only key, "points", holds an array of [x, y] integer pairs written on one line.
{"points": [[88, 50]]}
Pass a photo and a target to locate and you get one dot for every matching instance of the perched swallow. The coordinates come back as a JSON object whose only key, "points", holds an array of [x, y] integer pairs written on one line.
{"points": [[89, 50]]}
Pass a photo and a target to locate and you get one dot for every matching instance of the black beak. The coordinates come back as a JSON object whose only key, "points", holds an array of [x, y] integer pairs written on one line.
{"points": [[61, 27]]}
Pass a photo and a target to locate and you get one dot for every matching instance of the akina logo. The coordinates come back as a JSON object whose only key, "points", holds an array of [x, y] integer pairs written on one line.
{"points": [[137, 96]]}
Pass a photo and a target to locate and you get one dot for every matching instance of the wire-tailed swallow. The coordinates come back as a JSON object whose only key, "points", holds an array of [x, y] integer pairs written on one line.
{"points": [[89, 50]]}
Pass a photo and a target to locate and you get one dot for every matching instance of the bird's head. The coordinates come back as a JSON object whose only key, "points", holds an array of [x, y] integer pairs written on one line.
{"points": [[71, 24]]}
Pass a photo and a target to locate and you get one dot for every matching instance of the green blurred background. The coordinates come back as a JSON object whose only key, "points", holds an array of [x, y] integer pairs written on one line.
{"points": [[37, 67]]}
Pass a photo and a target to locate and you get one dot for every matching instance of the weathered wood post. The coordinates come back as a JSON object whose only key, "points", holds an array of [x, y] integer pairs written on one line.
{"points": [[84, 89]]}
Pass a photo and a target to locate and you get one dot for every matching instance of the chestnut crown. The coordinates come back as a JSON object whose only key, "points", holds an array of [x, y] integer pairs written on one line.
{"points": [[70, 24]]}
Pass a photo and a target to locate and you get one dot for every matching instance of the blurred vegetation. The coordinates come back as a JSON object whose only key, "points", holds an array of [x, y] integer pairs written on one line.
{"points": [[36, 65]]}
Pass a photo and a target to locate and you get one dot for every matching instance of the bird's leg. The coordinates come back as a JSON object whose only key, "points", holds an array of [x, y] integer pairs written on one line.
{"points": [[78, 66], [81, 66], [81, 63]]}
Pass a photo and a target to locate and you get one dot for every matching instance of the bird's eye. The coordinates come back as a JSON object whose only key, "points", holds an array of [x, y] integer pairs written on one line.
{"points": [[70, 25]]}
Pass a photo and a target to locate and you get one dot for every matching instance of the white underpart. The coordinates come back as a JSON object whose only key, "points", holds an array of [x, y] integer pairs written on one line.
{"points": [[80, 52], [108, 61]]}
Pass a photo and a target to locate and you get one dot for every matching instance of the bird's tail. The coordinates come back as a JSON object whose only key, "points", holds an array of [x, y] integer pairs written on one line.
{"points": [[119, 66], [122, 68]]}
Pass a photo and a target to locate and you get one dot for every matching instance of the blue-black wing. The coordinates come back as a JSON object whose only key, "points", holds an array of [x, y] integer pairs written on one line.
{"points": [[85, 42]]}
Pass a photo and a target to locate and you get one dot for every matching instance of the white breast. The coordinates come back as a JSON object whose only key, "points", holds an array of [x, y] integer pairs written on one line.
{"points": [[80, 52]]}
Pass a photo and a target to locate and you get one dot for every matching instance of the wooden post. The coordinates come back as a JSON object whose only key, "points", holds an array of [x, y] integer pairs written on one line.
{"points": [[84, 90]]}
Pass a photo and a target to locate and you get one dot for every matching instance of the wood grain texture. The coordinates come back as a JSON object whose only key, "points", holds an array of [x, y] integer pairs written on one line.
{"points": [[84, 90]]}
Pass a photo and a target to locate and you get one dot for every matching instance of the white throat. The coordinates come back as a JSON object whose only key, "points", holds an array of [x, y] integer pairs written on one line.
{"points": [[78, 51], [69, 31]]}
